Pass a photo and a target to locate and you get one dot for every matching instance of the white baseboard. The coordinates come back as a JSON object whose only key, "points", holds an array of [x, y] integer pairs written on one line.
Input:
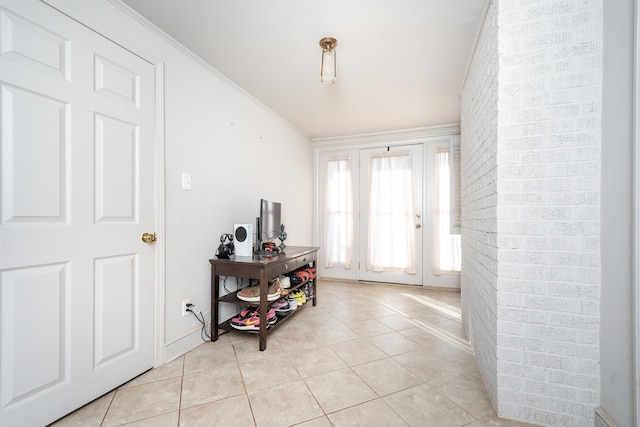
{"points": [[602, 419], [183, 345]]}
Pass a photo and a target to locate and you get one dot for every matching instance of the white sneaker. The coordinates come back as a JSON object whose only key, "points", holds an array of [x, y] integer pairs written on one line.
{"points": [[293, 304], [285, 282]]}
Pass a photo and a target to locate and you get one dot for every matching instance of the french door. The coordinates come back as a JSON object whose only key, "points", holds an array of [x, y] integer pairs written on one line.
{"points": [[77, 193], [390, 218]]}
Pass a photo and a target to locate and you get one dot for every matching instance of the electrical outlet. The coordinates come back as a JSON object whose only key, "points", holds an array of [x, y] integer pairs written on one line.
{"points": [[183, 307]]}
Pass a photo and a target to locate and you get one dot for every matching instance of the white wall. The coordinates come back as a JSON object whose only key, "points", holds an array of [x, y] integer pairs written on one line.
{"points": [[478, 185], [547, 294], [237, 153], [616, 327], [236, 150]]}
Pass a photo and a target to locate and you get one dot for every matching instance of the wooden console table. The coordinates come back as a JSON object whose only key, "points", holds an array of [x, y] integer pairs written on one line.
{"points": [[261, 268]]}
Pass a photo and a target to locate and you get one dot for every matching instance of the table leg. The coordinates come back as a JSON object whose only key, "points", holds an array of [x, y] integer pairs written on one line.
{"points": [[215, 294], [264, 309], [315, 292]]}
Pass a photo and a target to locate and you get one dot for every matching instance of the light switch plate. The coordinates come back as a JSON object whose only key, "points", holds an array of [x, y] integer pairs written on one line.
{"points": [[186, 181]]}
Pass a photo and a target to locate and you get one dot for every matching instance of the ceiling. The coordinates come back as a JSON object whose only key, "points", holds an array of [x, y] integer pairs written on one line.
{"points": [[401, 63]]}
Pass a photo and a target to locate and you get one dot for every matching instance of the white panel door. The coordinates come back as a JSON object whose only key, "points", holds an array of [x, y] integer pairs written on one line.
{"points": [[416, 153], [77, 193]]}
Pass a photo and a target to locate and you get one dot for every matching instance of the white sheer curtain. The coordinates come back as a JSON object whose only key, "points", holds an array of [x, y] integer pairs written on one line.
{"points": [[338, 213], [391, 239], [446, 254]]}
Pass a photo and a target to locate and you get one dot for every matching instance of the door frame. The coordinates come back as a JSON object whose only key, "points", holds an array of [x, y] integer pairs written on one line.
{"points": [[159, 354], [322, 146], [636, 213], [94, 19]]}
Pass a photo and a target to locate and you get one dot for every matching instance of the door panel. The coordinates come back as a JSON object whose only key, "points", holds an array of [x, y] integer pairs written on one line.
{"points": [[365, 181], [25, 371], [116, 168], [34, 45], [115, 295], [77, 181], [116, 81], [33, 151]]}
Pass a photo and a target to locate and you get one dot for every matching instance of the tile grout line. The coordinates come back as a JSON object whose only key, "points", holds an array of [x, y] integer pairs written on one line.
{"points": [[244, 384], [184, 361], [104, 417]]}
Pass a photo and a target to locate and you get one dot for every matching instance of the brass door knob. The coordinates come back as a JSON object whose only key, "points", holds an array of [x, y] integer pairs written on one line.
{"points": [[418, 226], [149, 237]]}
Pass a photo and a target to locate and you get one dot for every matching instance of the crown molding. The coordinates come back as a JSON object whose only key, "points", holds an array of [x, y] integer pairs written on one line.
{"points": [[405, 135]]}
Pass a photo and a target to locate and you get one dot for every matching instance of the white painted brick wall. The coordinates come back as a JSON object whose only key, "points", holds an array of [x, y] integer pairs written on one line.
{"points": [[478, 202], [549, 167], [530, 208]]}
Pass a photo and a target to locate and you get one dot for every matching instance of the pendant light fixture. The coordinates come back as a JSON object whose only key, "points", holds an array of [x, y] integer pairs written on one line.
{"points": [[328, 67]]}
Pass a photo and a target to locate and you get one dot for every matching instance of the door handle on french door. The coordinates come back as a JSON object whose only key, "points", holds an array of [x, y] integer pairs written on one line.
{"points": [[418, 226], [149, 237]]}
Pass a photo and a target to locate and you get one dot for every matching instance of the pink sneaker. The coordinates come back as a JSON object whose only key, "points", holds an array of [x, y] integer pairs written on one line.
{"points": [[250, 321]]}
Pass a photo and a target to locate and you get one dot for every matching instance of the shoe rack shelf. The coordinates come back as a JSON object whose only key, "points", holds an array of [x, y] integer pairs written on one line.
{"points": [[233, 299], [262, 269]]}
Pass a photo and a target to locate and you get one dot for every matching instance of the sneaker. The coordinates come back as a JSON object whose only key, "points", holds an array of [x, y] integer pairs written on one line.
{"points": [[299, 296], [311, 271], [252, 294], [284, 307], [250, 320], [303, 275], [271, 317], [307, 291], [312, 290], [246, 312], [279, 303], [277, 287], [285, 282], [250, 311], [293, 304], [294, 278]]}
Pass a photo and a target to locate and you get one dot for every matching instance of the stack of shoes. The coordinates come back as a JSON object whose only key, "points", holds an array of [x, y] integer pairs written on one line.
{"points": [[252, 294], [249, 320], [302, 275], [284, 306], [308, 290], [298, 277], [311, 271]]}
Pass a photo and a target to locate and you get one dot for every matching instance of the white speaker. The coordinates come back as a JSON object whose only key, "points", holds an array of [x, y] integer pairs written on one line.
{"points": [[243, 239]]}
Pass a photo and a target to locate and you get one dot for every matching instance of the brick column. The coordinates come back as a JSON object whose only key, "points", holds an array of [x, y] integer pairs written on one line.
{"points": [[542, 181]]}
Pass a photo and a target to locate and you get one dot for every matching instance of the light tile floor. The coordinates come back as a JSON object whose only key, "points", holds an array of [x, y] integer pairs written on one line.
{"points": [[366, 355]]}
